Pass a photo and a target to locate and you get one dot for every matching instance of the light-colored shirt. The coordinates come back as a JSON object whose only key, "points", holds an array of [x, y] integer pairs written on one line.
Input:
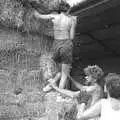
{"points": [[107, 112]]}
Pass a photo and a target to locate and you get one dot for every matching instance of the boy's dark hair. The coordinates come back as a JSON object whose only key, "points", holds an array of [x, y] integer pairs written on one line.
{"points": [[60, 7], [113, 85], [63, 6]]}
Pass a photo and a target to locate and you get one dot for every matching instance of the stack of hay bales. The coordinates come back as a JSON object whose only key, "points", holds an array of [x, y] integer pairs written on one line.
{"points": [[23, 39], [11, 13], [20, 29]]}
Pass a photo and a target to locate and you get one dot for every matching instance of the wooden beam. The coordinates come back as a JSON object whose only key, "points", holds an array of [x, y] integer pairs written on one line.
{"points": [[99, 21], [97, 8], [95, 55], [82, 5]]}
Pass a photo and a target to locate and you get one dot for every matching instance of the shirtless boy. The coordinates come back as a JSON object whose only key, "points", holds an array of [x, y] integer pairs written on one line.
{"points": [[94, 75], [64, 29]]}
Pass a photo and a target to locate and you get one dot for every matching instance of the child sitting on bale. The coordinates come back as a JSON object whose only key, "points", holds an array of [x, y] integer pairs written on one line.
{"points": [[93, 77]]}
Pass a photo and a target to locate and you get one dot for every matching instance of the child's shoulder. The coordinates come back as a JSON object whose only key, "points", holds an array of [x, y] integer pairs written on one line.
{"points": [[94, 86], [98, 87]]}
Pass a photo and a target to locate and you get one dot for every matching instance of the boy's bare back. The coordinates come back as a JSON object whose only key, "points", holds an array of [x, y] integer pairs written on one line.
{"points": [[62, 25]]}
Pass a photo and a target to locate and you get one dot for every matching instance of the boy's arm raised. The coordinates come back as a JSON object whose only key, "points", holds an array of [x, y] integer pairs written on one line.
{"points": [[42, 16], [68, 93]]}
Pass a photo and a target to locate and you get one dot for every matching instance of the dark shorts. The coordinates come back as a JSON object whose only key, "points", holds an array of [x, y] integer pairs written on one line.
{"points": [[62, 51]]}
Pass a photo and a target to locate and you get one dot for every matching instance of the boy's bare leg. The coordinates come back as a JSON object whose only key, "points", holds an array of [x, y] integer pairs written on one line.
{"points": [[64, 75]]}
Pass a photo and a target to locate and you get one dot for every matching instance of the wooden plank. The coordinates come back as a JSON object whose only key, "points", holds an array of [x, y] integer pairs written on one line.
{"points": [[81, 5], [95, 55], [99, 21], [97, 8]]}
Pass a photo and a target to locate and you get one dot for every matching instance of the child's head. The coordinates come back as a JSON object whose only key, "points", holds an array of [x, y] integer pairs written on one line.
{"points": [[63, 6], [60, 7], [112, 84], [93, 73]]}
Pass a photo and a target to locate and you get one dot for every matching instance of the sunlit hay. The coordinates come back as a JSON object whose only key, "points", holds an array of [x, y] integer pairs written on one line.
{"points": [[35, 109], [33, 25], [30, 23], [26, 59], [68, 114], [11, 13], [30, 103], [49, 5], [12, 112], [44, 6], [10, 40], [29, 81], [4, 81], [46, 44], [47, 64]]}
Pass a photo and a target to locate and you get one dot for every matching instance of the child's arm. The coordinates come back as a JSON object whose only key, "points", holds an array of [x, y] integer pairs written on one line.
{"points": [[48, 16], [66, 92], [89, 89], [92, 112]]}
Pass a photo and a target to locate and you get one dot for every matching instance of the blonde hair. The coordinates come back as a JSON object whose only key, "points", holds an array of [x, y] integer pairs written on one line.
{"points": [[94, 70]]}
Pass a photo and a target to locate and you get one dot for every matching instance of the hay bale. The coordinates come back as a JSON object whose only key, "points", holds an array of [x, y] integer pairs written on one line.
{"points": [[43, 6], [33, 25], [14, 14], [12, 112], [10, 40], [47, 63], [30, 81], [11, 13], [59, 110], [51, 4], [4, 81], [35, 109]]}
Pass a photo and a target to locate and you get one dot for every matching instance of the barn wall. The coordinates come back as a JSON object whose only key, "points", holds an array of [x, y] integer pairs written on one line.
{"points": [[107, 64]]}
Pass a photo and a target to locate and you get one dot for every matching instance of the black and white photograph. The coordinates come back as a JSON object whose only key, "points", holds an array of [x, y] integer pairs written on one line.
{"points": [[59, 60]]}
